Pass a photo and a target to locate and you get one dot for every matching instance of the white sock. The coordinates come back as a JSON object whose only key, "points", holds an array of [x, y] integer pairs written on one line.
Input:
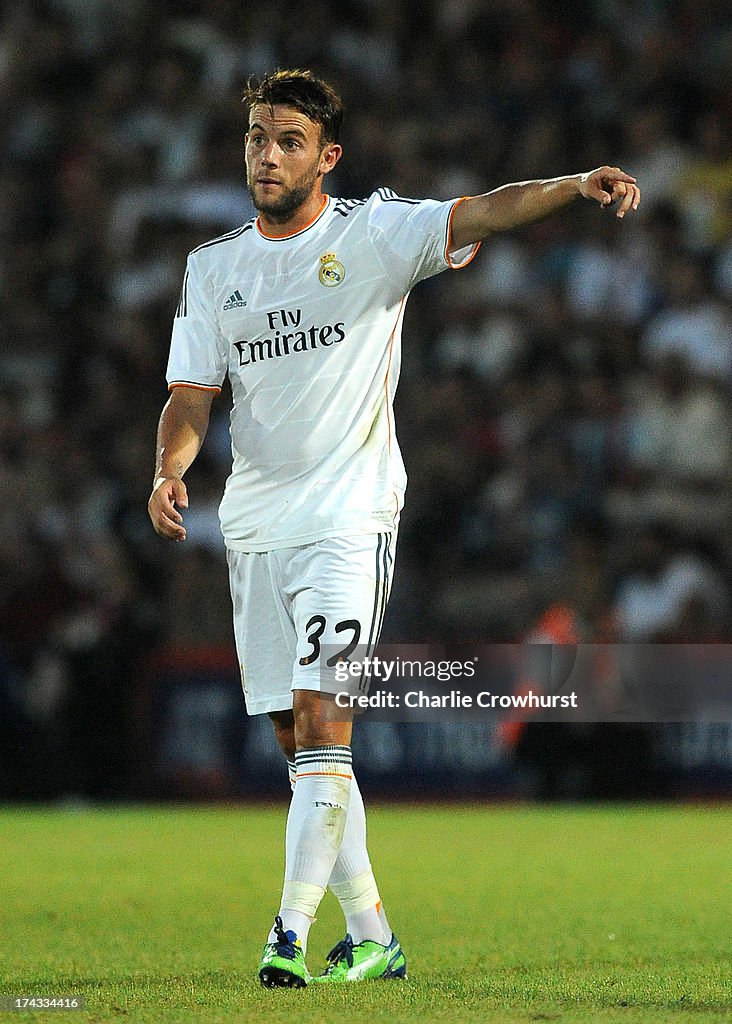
{"points": [[315, 826], [352, 879]]}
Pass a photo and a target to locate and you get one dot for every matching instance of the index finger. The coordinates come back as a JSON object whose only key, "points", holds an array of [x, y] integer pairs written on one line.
{"points": [[616, 174]]}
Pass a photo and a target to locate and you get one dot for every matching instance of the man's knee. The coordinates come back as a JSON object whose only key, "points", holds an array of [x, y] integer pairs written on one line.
{"points": [[318, 722]]}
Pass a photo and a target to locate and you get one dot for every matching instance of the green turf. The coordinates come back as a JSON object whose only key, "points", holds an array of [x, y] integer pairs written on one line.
{"points": [[569, 914]]}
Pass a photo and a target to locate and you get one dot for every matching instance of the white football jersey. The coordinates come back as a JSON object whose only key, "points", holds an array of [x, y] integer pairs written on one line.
{"points": [[308, 327]]}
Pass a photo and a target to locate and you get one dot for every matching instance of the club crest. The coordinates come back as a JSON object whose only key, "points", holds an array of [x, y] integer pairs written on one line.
{"points": [[331, 272]]}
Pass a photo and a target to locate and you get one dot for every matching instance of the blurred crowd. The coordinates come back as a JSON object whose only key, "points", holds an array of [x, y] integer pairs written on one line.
{"points": [[564, 409]]}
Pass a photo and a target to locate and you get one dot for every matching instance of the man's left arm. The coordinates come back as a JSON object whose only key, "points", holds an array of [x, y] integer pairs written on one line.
{"points": [[511, 206]]}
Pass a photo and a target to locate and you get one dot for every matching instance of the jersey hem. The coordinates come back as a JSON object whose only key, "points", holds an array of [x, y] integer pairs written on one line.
{"points": [[302, 540]]}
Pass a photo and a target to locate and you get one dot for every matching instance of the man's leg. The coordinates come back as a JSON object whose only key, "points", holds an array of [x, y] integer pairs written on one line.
{"points": [[315, 825], [370, 950], [337, 586], [352, 880], [318, 810]]}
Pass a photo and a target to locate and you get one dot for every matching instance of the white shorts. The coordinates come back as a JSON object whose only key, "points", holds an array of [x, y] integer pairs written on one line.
{"points": [[292, 604]]}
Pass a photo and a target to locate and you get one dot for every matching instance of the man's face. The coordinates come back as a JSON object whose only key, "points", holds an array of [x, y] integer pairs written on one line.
{"points": [[285, 158]]}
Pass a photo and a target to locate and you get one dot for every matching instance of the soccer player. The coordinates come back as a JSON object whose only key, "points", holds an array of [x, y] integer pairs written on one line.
{"points": [[303, 308]]}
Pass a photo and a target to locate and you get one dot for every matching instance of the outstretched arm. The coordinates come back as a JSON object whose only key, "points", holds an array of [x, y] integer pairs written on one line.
{"points": [[510, 206], [182, 428]]}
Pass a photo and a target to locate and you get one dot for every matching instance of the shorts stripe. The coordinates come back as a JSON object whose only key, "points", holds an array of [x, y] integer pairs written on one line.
{"points": [[377, 594], [388, 562], [380, 597]]}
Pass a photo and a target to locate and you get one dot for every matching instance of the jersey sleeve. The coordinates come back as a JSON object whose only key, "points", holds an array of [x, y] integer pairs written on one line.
{"points": [[198, 355], [416, 236]]}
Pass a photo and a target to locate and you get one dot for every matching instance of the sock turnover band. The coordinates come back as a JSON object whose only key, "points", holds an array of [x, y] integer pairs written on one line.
{"points": [[357, 893], [304, 897]]}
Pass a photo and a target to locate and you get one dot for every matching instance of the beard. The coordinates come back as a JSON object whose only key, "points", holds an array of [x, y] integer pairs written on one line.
{"points": [[281, 207]]}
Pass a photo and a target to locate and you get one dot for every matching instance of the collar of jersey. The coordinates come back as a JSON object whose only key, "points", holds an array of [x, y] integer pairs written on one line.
{"points": [[294, 234]]}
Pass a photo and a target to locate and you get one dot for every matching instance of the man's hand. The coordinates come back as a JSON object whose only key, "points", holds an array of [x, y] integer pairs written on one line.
{"points": [[182, 428], [168, 491], [609, 185]]}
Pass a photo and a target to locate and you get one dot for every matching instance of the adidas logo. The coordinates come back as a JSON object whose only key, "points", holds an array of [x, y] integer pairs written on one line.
{"points": [[234, 301]]}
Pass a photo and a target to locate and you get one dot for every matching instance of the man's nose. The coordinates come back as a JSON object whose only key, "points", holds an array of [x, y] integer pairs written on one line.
{"points": [[270, 154]]}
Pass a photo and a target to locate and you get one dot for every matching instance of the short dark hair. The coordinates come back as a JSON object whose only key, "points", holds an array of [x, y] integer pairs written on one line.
{"points": [[303, 91]]}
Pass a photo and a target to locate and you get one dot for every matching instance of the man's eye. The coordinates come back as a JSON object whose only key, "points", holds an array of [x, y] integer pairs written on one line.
{"points": [[258, 140], [291, 144]]}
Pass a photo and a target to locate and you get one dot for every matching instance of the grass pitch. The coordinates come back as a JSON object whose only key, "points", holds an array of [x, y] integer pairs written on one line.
{"points": [[567, 914]]}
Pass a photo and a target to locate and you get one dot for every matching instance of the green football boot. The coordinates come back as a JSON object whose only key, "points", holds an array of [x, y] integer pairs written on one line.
{"points": [[283, 962], [365, 962]]}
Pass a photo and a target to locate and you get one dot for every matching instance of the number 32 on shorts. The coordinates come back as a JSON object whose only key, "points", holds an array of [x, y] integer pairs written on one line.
{"points": [[315, 628]]}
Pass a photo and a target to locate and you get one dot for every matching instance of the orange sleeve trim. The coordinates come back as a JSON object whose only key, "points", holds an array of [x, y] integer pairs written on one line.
{"points": [[448, 247], [197, 387]]}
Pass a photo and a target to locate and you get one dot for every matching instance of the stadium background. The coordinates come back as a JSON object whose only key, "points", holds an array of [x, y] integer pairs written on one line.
{"points": [[564, 408]]}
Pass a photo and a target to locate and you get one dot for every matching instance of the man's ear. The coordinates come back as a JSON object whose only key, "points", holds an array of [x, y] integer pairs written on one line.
{"points": [[329, 157]]}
